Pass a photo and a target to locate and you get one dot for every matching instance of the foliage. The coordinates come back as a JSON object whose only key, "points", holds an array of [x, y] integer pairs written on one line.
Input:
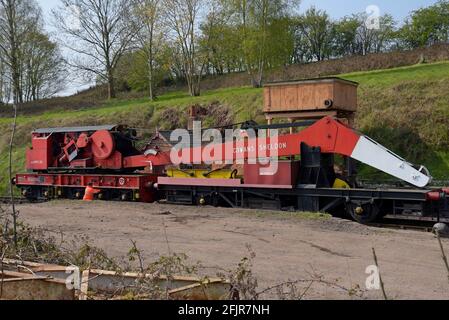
{"points": [[318, 31], [30, 63], [101, 34], [426, 26]]}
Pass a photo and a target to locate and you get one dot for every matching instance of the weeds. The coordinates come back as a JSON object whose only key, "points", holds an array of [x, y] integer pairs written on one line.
{"points": [[245, 282], [242, 278], [156, 279]]}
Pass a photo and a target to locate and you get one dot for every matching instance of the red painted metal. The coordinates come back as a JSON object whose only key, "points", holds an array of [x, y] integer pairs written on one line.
{"points": [[83, 141], [103, 144], [113, 162], [139, 183], [284, 173], [54, 149], [142, 161], [434, 196], [226, 183], [329, 134]]}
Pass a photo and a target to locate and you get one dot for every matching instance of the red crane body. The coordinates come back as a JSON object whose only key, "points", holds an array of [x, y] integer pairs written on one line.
{"points": [[112, 150], [63, 161]]}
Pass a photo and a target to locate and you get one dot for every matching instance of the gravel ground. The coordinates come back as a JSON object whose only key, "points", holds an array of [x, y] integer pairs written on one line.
{"points": [[287, 248]]}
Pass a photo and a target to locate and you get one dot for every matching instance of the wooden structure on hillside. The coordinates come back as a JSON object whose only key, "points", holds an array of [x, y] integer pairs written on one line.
{"points": [[311, 99]]}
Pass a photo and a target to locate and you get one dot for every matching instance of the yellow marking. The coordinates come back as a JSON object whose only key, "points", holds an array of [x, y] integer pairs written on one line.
{"points": [[200, 174], [340, 184]]}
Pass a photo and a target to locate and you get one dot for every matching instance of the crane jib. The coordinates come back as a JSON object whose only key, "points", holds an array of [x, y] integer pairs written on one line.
{"points": [[330, 135]]}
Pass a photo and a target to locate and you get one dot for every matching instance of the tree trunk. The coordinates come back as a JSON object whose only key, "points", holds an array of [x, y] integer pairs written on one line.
{"points": [[17, 91], [11, 187], [111, 85], [151, 81], [197, 87]]}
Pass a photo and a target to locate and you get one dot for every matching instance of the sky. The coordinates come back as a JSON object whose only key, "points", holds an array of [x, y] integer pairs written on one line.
{"points": [[400, 9], [337, 9]]}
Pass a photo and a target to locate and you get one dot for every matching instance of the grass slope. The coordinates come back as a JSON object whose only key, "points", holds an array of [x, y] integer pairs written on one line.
{"points": [[406, 109]]}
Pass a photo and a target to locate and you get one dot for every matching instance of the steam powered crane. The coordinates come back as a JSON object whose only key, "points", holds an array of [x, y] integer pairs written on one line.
{"points": [[63, 161], [111, 148]]}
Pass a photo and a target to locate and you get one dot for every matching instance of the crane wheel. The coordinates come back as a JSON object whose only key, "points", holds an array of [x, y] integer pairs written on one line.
{"points": [[363, 213]]}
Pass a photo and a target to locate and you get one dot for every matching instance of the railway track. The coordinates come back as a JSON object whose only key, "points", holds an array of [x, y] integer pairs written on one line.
{"points": [[17, 200], [405, 224], [389, 222]]}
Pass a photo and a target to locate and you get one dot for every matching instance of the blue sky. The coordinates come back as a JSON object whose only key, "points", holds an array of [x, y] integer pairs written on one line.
{"points": [[337, 9], [400, 9]]}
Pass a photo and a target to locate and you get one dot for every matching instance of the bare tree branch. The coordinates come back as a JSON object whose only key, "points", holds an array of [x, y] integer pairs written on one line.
{"points": [[102, 34]]}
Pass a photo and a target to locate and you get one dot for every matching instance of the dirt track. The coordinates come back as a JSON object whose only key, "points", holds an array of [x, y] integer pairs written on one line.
{"points": [[287, 248]]}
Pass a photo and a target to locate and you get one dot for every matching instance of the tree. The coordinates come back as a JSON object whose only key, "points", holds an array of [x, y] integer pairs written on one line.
{"points": [[371, 40], [43, 67], [150, 37], [345, 36], [181, 17], [426, 26], [258, 31], [384, 36], [216, 43], [318, 30], [132, 71], [4, 83], [31, 64], [102, 34], [18, 18]]}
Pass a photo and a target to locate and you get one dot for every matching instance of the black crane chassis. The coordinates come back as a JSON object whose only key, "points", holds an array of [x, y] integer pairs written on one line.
{"points": [[363, 205]]}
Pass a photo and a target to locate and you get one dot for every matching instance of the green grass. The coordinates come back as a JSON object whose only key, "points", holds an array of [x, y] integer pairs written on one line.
{"points": [[389, 77], [18, 165], [406, 109]]}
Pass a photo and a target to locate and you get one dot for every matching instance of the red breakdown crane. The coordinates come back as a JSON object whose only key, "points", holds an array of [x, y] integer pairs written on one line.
{"points": [[63, 161], [110, 148]]}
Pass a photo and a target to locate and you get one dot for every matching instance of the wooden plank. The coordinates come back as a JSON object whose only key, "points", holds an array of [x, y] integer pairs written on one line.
{"points": [[302, 115], [19, 286], [27, 286], [84, 290], [267, 99]]}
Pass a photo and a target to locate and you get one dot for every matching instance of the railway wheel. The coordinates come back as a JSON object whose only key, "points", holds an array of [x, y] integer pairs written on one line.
{"points": [[126, 196], [202, 200], [74, 194], [59, 193], [30, 194], [363, 212]]}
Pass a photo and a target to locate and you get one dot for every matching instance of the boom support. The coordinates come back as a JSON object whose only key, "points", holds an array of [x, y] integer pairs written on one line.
{"points": [[332, 136]]}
